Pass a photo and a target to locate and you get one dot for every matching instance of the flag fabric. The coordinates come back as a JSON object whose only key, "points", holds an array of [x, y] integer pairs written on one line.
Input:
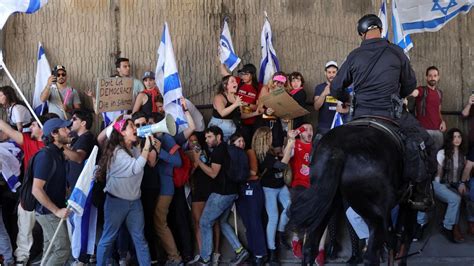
{"points": [[8, 7], [400, 38], [83, 221], [167, 79], [269, 63], [429, 15], [337, 120], [227, 53], [109, 117], [383, 18], [84, 183], [43, 71], [10, 165]]}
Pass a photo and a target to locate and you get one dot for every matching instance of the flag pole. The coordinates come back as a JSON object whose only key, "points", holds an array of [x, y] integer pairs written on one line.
{"points": [[2, 64], [45, 255]]}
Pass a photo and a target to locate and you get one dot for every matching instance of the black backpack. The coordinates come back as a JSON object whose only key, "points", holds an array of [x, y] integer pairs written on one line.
{"points": [[238, 169], [27, 200]]}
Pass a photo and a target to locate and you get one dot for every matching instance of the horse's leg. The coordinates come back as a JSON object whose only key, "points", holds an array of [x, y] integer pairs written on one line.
{"points": [[312, 239], [409, 223], [376, 240]]}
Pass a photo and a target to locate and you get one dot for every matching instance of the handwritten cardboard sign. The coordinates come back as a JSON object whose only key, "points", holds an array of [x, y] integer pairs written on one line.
{"points": [[114, 94], [284, 105]]}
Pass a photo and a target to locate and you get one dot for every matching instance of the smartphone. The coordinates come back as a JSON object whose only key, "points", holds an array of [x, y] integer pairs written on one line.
{"points": [[472, 93], [55, 76]]}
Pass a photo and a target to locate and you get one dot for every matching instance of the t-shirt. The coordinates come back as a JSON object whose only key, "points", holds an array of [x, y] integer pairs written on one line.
{"points": [[69, 96], [327, 110], [272, 177], [222, 185], [300, 164], [86, 143], [249, 95], [431, 120], [18, 114], [30, 147], [55, 186]]}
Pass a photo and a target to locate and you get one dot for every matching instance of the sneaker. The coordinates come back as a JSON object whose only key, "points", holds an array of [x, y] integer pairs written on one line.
{"points": [[215, 259], [321, 258], [239, 257], [93, 259], [174, 262], [20, 263], [123, 262], [194, 260], [200, 262], [297, 247], [418, 235]]}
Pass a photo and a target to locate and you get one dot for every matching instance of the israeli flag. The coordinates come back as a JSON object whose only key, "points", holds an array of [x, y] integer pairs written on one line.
{"points": [[429, 15], [43, 71], [8, 7], [337, 120], [10, 157], [399, 37], [227, 54], [167, 79], [383, 18], [269, 63]]}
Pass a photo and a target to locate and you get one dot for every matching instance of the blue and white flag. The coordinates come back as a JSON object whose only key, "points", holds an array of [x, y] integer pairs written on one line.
{"points": [[43, 71], [269, 63], [8, 7], [429, 15], [383, 18], [167, 80], [10, 163], [227, 53], [84, 184], [400, 38], [337, 120]]}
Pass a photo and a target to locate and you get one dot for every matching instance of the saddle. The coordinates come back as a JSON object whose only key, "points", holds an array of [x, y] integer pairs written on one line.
{"points": [[386, 125]]}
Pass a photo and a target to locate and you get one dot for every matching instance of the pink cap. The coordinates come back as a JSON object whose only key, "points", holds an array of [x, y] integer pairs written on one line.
{"points": [[279, 78], [119, 125]]}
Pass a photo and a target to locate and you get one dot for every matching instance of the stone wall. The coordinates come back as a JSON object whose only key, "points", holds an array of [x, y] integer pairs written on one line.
{"points": [[87, 35]]}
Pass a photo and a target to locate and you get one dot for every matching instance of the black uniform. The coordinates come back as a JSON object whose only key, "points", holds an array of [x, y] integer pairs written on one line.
{"points": [[381, 75], [377, 69]]}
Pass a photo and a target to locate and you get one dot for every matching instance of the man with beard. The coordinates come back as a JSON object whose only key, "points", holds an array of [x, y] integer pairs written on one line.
{"points": [[49, 189], [326, 104], [61, 98], [428, 106], [30, 143]]}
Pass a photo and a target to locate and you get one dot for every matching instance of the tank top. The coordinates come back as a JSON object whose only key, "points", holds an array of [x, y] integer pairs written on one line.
{"points": [[234, 114]]}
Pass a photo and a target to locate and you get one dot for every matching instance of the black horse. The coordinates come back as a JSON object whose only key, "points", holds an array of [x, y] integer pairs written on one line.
{"points": [[363, 166]]}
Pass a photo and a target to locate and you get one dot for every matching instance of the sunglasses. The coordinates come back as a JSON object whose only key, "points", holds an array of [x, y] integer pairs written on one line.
{"points": [[61, 74], [244, 73], [140, 124]]}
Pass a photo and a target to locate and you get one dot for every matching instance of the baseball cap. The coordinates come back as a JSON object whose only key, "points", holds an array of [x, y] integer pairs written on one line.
{"points": [[248, 68], [59, 67], [148, 74], [331, 64], [53, 124]]}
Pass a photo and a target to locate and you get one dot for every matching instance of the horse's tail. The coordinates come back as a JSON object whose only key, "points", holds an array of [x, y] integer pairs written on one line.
{"points": [[309, 208]]}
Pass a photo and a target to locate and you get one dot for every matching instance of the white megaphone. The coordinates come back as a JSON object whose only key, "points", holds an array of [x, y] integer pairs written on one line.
{"points": [[167, 125]]}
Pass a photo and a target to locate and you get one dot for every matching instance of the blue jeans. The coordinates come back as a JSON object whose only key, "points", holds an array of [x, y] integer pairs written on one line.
{"points": [[444, 193], [5, 244], [272, 196], [217, 207], [116, 212], [227, 125]]}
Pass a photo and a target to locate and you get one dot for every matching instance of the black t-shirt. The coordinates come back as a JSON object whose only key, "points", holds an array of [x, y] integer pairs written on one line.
{"points": [[327, 110], [86, 143], [222, 185], [273, 167], [55, 186]]}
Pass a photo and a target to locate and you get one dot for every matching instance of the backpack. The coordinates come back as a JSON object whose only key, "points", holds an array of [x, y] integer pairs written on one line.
{"points": [[27, 200], [238, 169], [181, 174]]}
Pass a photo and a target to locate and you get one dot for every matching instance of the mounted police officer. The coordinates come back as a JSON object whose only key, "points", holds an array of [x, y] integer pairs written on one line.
{"points": [[381, 75]]}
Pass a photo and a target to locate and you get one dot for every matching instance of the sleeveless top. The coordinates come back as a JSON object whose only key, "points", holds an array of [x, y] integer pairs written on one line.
{"points": [[234, 114], [147, 108]]}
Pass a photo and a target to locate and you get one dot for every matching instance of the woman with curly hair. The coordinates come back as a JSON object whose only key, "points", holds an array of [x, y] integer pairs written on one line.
{"points": [[122, 166], [271, 167], [18, 115]]}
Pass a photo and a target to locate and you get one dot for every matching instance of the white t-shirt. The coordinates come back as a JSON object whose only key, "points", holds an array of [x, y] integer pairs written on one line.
{"points": [[18, 114], [441, 156]]}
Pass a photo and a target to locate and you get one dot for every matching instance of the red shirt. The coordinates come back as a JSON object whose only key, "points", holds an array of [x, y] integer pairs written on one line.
{"points": [[300, 164], [30, 147], [432, 119], [249, 95]]}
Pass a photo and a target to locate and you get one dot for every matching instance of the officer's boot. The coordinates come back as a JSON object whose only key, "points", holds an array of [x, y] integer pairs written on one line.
{"points": [[422, 198]]}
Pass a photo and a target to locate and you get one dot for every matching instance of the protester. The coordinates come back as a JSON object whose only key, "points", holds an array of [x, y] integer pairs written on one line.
{"points": [[298, 93], [18, 115], [122, 65], [62, 98], [148, 99]]}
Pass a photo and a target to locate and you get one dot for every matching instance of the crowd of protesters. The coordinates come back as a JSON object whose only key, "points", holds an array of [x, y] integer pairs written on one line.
{"points": [[165, 199]]}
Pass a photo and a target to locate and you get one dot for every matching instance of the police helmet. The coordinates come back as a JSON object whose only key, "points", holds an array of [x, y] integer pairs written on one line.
{"points": [[368, 22]]}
